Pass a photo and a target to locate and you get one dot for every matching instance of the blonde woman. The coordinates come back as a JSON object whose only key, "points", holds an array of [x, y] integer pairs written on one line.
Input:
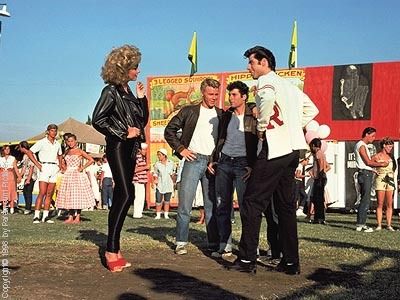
{"points": [[121, 117]]}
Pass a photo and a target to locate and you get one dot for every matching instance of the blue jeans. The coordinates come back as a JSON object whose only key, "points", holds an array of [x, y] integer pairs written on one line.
{"points": [[364, 179], [228, 176], [107, 191], [192, 173]]}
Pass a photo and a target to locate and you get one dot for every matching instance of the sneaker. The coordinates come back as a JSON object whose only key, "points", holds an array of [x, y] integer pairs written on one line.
{"points": [[27, 212], [36, 220], [299, 213], [378, 228], [364, 228], [166, 217], [157, 218], [221, 254], [181, 250], [268, 261], [390, 228], [48, 220]]}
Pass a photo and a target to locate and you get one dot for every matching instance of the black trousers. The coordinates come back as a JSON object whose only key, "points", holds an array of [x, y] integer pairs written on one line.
{"points": [[121, 156], [273, 230], [27, 192], [270, 177], [318, 198]]}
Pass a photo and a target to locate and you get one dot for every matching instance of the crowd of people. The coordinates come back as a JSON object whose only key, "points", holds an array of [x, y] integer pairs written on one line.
{"points": [[251, 149]]}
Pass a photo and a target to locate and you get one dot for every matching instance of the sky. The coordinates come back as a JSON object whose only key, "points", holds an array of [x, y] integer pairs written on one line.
{"points": [[51, 51]]}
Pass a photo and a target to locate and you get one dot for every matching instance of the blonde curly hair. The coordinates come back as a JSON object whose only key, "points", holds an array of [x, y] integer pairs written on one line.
{"points": [[118, 63]]}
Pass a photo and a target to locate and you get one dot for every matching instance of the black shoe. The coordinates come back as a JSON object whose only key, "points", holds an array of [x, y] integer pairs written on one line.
{"points": [[321, 222], [287, 268], [36, 220], [243, 267]]}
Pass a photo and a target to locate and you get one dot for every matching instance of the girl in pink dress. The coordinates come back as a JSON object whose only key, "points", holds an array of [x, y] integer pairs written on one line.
{"points": [[75, 192]]}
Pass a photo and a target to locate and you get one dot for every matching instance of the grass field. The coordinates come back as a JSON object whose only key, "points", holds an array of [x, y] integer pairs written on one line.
{"points": [[337, 262]]}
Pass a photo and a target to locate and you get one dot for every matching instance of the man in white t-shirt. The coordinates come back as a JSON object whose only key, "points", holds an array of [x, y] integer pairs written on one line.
{"points": [[50, 158], [199, 125], [365, 176]]}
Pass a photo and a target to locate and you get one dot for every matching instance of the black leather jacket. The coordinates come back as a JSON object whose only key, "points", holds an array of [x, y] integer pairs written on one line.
{"points": [[250, 134], [185, 120], [117, 110]]}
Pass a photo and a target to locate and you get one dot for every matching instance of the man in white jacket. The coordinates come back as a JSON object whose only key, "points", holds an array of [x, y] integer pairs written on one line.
{"points": [[284, 110]]}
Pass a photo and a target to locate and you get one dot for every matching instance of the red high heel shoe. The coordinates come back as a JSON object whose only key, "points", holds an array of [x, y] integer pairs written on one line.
{"points": [[124, 262], [115, 266]]}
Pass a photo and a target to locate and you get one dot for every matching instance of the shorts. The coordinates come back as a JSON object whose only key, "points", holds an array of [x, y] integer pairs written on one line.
{"points": [[384, 183], [49, 173], [159, 197]]}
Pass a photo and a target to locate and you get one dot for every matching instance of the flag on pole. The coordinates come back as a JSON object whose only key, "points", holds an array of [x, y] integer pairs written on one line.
{"points": [[293, 48], [192, 56]]}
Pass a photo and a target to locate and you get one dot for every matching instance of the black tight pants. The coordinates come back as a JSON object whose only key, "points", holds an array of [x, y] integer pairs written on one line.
{"points": [[122, 162]]}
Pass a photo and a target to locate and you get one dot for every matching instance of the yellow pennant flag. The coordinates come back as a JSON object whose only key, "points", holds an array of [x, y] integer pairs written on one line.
{"points": [[192, 56], [293, 48]]}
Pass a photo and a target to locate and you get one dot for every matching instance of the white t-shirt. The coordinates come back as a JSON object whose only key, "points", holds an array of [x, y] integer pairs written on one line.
{"points": [[47, 151], [205, 133], [359, 161], [235, 145], [105, 167]]}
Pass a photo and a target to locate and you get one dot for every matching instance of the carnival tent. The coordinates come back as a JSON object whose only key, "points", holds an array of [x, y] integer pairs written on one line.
{"points": [[85, 133]]}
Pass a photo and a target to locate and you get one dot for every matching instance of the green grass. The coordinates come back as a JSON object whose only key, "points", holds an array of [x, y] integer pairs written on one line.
{"points": [[340, 263]]}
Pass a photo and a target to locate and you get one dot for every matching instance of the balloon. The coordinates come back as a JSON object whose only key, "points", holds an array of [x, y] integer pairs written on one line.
{"points": [[324, 146], [323, 131], [312, 126], [310, 135]]}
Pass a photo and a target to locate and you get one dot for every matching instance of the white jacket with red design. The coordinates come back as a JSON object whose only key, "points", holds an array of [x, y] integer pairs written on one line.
{"points": [[284, 110]]}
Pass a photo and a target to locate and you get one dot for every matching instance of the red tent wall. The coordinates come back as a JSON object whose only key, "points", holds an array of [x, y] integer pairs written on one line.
{"points": [[385, 102]]}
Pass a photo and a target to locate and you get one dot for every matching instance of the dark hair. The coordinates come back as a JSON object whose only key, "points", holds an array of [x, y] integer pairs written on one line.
{"points": [[260, 53], [241, 86], [24, 144], [66, 135], [52, 126], [368, 130], [316, 143], [386, 141]]}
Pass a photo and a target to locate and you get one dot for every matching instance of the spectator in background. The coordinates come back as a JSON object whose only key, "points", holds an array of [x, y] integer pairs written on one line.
{"points": [[300, 194], [163, 182], [106, 183], [75, 192], [384, 182], [365, 175], [50, 157], [29, 175], [140, 179], [318, 173], [93, 172], [8, 173]]}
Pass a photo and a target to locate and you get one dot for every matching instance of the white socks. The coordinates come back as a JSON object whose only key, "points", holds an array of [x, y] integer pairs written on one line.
{"points": [[45, 214], [37, 214]]}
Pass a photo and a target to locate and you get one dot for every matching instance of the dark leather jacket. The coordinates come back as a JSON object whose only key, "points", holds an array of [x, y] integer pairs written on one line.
{"points": [[185, 120], [250, 134], [117, 110]]}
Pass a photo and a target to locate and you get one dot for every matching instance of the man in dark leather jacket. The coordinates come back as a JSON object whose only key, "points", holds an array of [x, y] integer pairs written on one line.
{"points": [[233, 159], [199, 126]]}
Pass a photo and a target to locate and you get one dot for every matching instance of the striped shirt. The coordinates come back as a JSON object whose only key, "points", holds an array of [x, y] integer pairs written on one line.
{"points": [[141, 176]]}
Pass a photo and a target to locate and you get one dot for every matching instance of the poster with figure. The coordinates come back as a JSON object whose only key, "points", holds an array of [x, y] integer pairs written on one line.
{"points": [[351, 96]]}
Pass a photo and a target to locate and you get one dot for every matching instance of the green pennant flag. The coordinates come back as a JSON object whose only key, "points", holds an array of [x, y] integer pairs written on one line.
{"points": [[192, 56], [293, 48]]}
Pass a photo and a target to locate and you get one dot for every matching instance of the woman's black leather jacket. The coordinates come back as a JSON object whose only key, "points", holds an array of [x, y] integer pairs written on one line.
{"points": [[117, 110]]}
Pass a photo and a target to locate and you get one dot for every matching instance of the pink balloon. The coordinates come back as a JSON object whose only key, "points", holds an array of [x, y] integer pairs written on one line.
{"points": [[310, 135], [324, 146]]}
